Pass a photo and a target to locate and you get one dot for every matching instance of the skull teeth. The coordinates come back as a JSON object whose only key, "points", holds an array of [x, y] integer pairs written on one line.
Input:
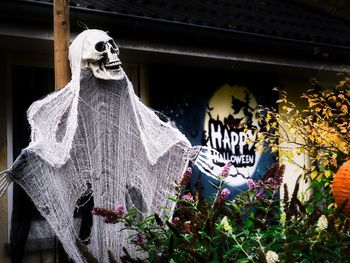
{"points": [[113, 65]]}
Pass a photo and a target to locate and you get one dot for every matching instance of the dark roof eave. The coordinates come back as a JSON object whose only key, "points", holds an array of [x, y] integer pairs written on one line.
{"points": [[218, 36], [141, 28], [193, 26]]}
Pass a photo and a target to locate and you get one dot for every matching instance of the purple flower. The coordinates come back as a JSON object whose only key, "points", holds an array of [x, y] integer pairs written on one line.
{"points": [[186, 176], [109, 216], [223, 196], [225, 193], [271, 180], [139, 240], [187, 197], [260, 195], [188, 170], [104, 212], [226, 170], [251, 184], [120, 210]]}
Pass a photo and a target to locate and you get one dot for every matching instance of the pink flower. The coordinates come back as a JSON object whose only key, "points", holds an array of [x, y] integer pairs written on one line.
{"points": [[223, 196], [188, 170], [138, 239], [120, 210], [225, 193], [260, 195], [226, 170], [251, 184], [187, 197], [271, 180]]}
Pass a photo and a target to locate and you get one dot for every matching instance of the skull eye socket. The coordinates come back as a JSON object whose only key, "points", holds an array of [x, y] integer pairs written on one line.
{"points": [[100, 46], [111, 42]]}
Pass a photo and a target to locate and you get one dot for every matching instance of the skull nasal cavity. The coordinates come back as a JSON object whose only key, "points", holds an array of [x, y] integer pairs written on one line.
{"points": [[113, 51], [100, 46]]}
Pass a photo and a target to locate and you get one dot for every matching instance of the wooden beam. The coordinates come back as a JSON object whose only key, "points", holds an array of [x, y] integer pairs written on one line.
{"points": [[61, 42]]}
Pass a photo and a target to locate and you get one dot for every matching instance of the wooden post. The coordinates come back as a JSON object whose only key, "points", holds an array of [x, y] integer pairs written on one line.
{"points": [[61, 42], [61, 32]]}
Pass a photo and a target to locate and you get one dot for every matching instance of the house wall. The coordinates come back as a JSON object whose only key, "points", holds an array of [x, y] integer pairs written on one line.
{"points": [[13, 57], [295, 84], [294, 87], [137, 70]]}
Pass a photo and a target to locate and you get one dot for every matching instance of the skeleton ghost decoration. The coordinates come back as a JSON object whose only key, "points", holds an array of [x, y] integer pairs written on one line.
{"points": [[96, 138], [100, 53]]}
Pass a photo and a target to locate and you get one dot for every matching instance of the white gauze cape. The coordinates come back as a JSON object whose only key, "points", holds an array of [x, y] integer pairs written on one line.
{"points": [[96, 137]]}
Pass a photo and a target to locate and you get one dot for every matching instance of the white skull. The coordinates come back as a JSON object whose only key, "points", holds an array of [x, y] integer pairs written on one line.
{"points": [[100, 53]]}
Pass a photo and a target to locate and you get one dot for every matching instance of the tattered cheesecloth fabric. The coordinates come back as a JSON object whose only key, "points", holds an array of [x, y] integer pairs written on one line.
{"points": [[95, 137]]}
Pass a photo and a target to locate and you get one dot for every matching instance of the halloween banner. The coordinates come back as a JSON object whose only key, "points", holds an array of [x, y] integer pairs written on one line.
{"points": [[217, 109]]}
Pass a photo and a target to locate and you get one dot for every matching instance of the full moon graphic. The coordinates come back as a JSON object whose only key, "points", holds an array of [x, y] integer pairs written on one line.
{"points": [[230, 127]]}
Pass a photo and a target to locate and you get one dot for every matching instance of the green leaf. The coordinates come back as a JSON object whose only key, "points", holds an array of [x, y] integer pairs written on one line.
{"points": [[248, 224], [243, 260]]}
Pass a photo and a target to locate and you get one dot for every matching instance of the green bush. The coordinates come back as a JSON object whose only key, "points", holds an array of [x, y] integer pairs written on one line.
{"points": [[256, 227]]}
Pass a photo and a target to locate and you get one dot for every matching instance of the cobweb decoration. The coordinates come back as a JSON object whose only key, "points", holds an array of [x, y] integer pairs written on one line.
{"points": [[95, 137]]}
